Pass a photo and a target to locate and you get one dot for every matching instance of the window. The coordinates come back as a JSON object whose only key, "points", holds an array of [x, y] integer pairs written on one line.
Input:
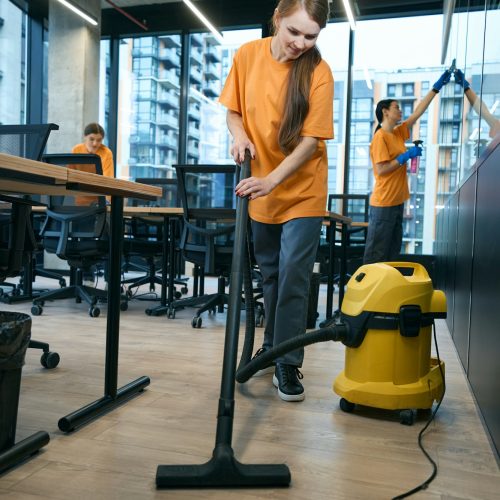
{"points": [[208, 140], [391, 90], [408, 89], [12, 68]]}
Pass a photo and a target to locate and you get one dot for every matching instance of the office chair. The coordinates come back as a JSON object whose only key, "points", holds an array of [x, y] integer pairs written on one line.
{"points": [[144, 240], [17, 242], [27, 141], [76, 232], [209, 205]]}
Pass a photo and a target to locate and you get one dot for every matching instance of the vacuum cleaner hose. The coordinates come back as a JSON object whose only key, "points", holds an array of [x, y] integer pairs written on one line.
{"points": [[335, 332]]}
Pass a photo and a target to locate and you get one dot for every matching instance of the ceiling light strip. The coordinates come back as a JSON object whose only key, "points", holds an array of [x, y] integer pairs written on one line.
{"points": [[80, 12], [350, 15], [204, 20]]}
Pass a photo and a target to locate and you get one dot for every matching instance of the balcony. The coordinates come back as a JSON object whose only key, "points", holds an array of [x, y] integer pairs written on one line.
{"points": [[169, 141], [170, 42], [170, 58], [194, 113], [168, 98], [169, 120], [212, 55], [196, 39], [212, 72], [141, 139], [195, 75], [193, 132], [196, 57], [212, 88]]}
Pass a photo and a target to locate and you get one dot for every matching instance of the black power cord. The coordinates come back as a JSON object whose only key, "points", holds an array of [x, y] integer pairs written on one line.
{"points": [[428, 481]]}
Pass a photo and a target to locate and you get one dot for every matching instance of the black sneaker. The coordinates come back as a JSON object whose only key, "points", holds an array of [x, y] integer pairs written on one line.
{"points": [[286, 379], [267, 369]]}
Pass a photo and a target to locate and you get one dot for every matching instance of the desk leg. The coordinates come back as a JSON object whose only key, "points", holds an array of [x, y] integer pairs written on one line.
{"points": [[330, 315], [343, 264], [23, 450], [112, 396], [168, 270]]}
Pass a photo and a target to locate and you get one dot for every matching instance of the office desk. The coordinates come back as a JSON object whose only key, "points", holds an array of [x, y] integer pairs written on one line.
{"points": [[22, 176], [169, 215]]}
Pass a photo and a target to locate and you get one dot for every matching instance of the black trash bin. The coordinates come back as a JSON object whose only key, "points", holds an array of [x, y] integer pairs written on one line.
{"points": [[312, 309], [15, 333]]}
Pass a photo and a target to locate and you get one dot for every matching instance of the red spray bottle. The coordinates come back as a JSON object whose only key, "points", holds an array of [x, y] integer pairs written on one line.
{"points": [[415, 162]]}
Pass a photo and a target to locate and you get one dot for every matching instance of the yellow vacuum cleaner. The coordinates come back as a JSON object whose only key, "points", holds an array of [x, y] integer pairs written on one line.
{"points": [[386, 325], [388, 363]]}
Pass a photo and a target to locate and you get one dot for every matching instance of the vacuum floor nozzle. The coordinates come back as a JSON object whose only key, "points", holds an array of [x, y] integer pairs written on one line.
{"points": [[223, 471]]}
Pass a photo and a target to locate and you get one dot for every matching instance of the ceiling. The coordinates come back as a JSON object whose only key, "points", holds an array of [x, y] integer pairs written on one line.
{"points": [[173, 15]]}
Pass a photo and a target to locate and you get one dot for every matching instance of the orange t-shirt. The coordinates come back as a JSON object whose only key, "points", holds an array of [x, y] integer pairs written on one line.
{"points": [[256, 89], [390, 189], [108, 168], [106, 155]]}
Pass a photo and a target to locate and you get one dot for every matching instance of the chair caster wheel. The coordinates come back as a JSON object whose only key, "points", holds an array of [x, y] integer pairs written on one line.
{"points": [[123, 306], [49, 360], [184, 290], [346, 406], [94, 312], [171, 314], [36, 310], [149, 312], [407, 417], [62, 283], [196, 322], [177, 294]]}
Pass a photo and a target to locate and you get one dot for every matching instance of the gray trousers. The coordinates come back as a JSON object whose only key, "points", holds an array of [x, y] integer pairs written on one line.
{"points": [[285, 254], [385, 234]]}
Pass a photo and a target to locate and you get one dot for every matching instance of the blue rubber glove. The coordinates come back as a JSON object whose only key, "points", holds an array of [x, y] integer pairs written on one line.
{"points": [[443, 80], [460, 79], [411, 153]]}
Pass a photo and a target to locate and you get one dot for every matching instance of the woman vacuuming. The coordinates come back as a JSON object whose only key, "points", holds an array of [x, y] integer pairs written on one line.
{"points": [[279, 96]]}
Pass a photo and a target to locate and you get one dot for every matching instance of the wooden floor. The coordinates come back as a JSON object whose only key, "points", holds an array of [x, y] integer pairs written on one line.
{"points": [[367, 454]]}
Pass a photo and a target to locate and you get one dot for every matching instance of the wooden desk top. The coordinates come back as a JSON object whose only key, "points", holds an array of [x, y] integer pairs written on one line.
{"points": [[22, 176], [334, 216]]}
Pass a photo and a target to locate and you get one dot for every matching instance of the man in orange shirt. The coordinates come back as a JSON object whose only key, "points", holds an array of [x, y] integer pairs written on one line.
{"points": [[279, 95], [389, 158]]}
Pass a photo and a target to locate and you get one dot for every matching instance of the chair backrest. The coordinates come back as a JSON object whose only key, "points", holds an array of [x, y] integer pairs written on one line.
{"points": [[84, 162], [209, 205], [75, 227], [16, 232], [356, 207], [170, 191], [27, 141]]}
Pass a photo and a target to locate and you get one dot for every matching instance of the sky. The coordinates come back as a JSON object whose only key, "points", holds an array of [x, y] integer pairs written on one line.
{"points": [[399, 43]]}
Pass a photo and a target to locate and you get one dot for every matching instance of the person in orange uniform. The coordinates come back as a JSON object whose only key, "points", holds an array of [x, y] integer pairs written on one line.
{"points": [[389, 159], [279, 97], [93, 135]]}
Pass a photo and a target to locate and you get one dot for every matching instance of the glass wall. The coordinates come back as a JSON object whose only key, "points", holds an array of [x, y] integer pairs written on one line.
{"points": [[333, 43], [149, 101], [455, 129], [474, 45], [12, 68], [208, 140]]}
